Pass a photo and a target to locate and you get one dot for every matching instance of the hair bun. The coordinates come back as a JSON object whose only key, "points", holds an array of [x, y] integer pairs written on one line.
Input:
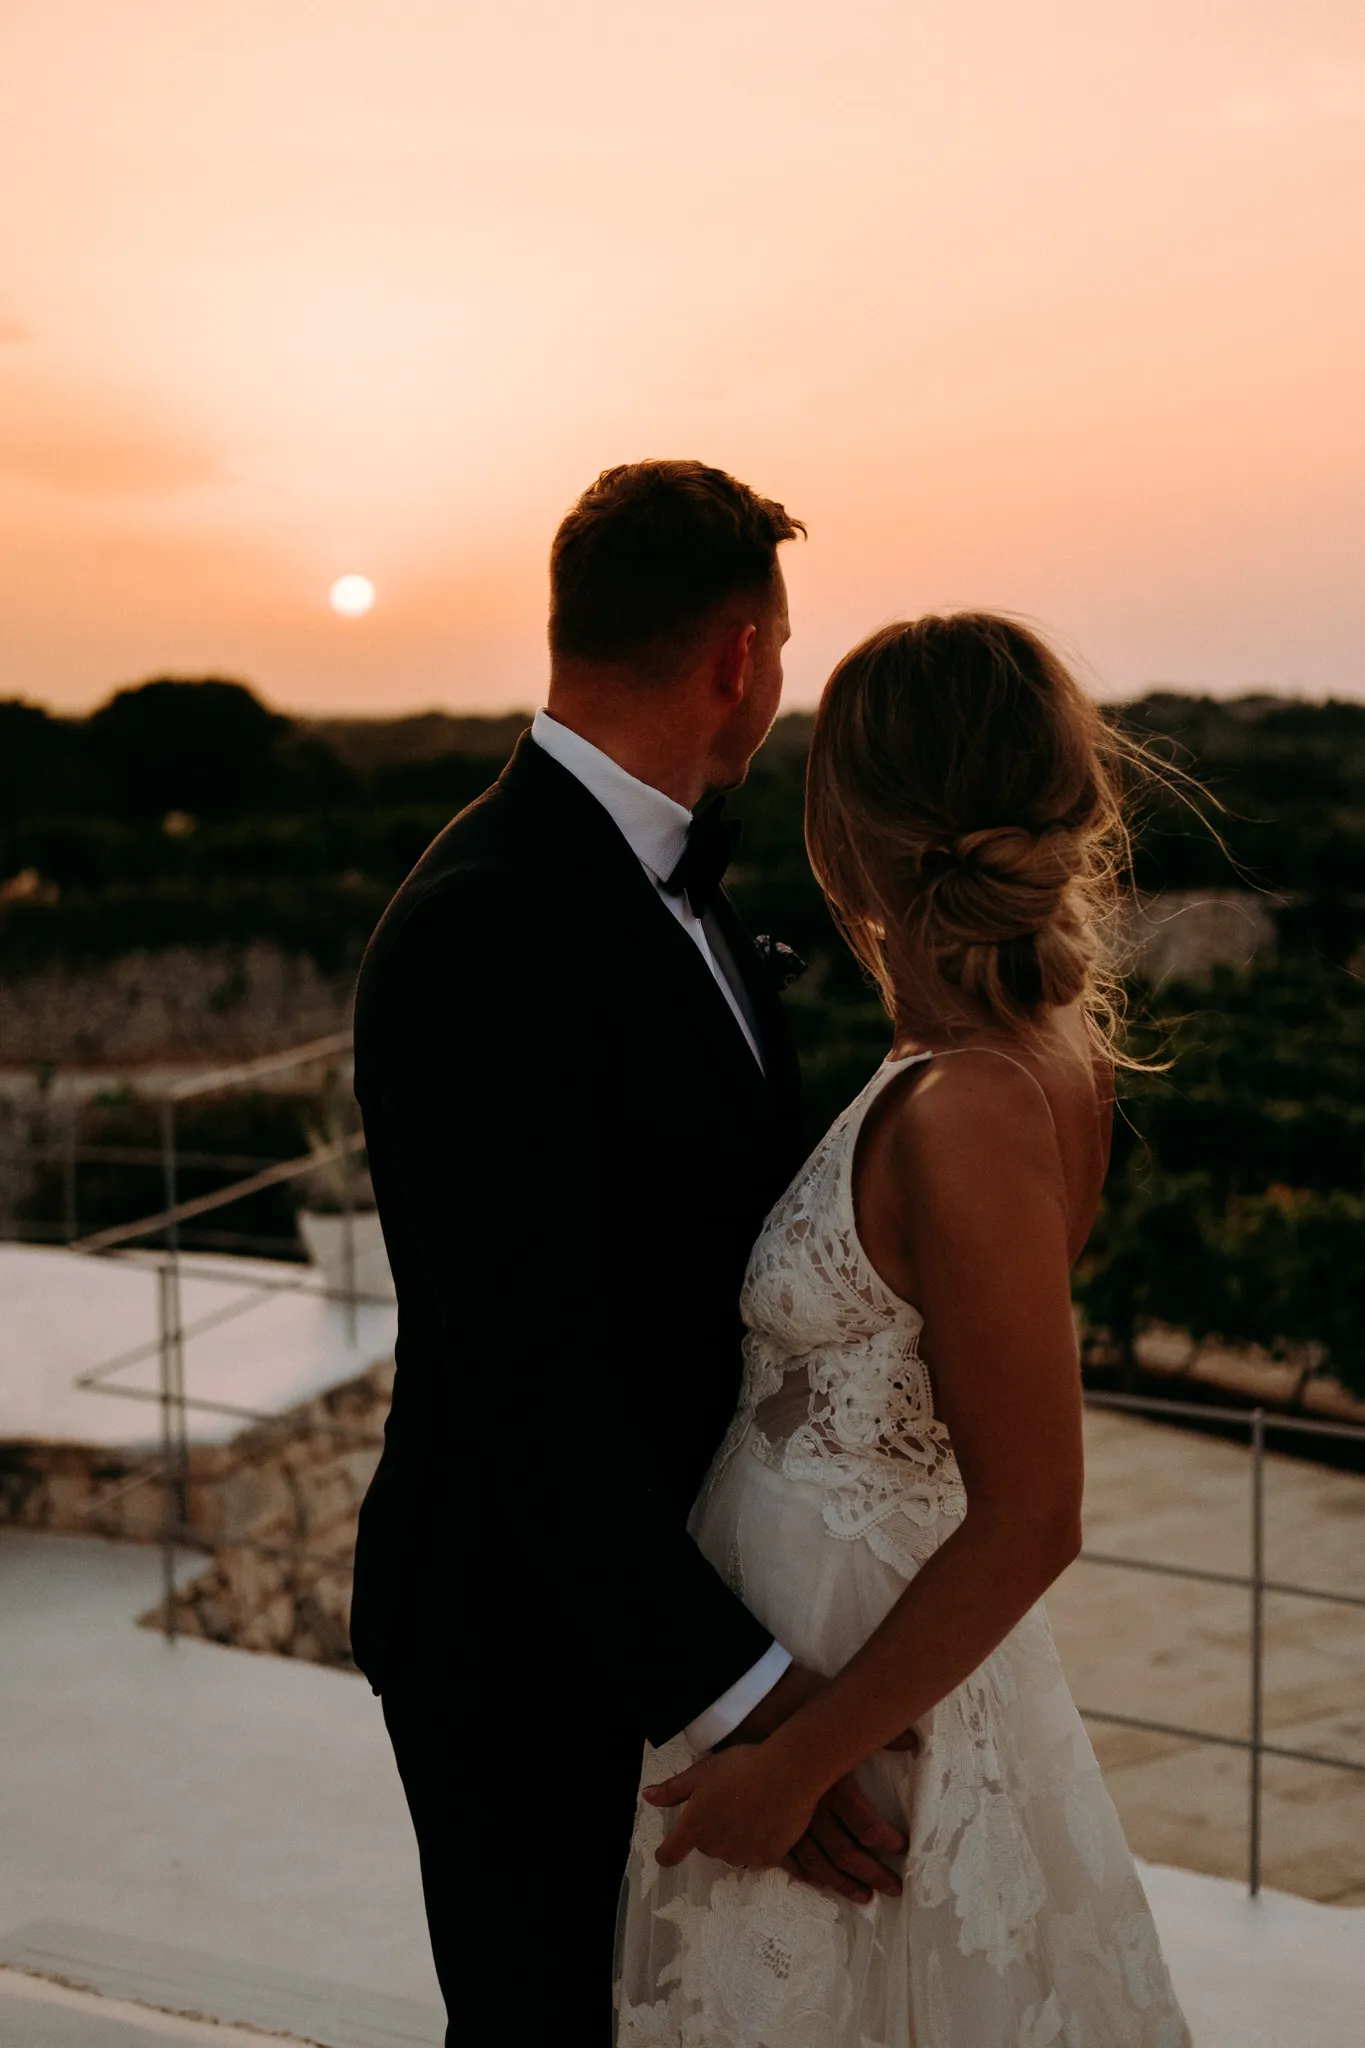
{"points": [[1000, 883], [1012, 852]]}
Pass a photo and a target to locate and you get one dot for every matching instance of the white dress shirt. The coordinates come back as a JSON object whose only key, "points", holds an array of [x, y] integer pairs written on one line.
{"points": [[655, 829]]}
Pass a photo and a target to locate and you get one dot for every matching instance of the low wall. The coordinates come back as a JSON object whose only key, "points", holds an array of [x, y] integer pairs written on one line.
{"points": [[294, 1490], [207, 1003], [277, 1509], [196, 1003], [1182, 934]]}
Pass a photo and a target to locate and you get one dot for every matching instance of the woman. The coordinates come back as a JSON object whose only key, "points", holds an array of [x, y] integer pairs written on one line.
{"points": [[903, 1478]]}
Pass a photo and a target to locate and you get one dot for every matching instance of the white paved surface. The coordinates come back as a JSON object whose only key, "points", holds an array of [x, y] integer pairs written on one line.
{"points": [[248, 1806], [63, 1312], [193, 1795], [1273, 1972]]}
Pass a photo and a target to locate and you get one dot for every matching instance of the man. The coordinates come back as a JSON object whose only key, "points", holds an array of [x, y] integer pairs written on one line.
{"points": [[580, 1100]]}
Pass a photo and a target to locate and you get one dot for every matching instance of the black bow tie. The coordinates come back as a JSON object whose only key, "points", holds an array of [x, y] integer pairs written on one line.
{"points": [[712, 842]]}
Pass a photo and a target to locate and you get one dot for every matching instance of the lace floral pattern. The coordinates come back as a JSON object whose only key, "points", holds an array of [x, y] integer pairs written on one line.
{"points": [[1022, 1923], [813, 1304], [763, 1964]]}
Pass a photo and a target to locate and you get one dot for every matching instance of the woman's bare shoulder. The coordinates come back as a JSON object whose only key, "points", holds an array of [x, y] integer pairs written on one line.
{"points": [[987, 1128], [977, 1110]]}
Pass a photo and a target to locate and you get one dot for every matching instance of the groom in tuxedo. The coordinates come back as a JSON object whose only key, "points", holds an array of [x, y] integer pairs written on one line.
{"points": [[580, 1100]]}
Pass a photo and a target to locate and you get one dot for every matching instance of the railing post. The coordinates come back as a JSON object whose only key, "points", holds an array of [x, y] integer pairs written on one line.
{"points": [[169, 1175], [1257, 1644], [167, 1319], [348, 1240], [174, 1421], [69, 1212]]}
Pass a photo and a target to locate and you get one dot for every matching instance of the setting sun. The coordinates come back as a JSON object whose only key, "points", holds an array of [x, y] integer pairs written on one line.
{"points": [[351, 596]]}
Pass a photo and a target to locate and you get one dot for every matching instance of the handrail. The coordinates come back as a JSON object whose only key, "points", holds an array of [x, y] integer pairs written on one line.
{"points": [[1301, 1756], [256, 1070], [171, 1394], [1207, 1411], [1190, 1571], [202, 1205], [172, 1471], [95, 1378]]}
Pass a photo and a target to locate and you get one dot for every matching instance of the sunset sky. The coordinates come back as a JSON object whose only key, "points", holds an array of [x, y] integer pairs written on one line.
{"points": [[1053, 305]]}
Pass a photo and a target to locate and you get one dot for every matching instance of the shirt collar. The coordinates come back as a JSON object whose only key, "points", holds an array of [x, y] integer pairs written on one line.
{"points": [[652, 825]]}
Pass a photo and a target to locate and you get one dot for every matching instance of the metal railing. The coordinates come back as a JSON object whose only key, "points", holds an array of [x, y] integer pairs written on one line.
{"points": [[168, 1346], [1255, 1583], [171, 1395]]}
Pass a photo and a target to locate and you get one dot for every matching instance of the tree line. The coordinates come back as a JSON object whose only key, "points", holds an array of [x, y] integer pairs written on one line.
{"points": [[188, 812]]}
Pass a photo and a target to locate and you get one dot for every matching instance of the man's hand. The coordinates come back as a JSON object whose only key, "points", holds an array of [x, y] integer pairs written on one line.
{"points": [[737, 1807], [744, 1808], [841, 1846]]}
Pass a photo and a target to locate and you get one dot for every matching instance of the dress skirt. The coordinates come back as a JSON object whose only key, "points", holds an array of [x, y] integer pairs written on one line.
{"points": [[1022, 1922]]}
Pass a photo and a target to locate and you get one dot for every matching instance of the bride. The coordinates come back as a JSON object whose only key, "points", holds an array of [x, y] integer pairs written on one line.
{"points": [[903, 1478]]}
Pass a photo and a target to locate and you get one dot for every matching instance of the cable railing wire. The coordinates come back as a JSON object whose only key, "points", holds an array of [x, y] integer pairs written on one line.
{"points": [[1255, 1745], [171, 1393]]}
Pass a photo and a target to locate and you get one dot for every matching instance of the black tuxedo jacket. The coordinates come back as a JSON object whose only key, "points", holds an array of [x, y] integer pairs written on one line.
{"points": [[572, 1150]]}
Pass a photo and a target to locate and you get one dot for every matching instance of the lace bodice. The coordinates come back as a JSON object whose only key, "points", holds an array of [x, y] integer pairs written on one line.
{"points": [[835, 1390]]}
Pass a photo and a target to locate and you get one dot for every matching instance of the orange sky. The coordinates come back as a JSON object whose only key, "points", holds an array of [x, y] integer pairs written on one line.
{"points": [[1041, 304]]}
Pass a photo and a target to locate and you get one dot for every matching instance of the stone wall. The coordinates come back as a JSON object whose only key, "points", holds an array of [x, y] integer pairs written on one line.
{"points": [[276, 1509], [82, 1488], [183, 1003], [1183, 933], [286, 1512]]}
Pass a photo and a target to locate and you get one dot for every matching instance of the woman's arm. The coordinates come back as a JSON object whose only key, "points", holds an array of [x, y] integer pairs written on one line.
{"points": [[972, 1166]]}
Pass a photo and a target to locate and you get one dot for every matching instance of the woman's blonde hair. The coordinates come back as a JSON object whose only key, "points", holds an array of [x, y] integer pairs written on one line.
{"points": [[965, 819]]}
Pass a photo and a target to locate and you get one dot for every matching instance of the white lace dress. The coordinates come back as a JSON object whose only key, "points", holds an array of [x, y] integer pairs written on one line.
{"points": [[1022, 1923]]}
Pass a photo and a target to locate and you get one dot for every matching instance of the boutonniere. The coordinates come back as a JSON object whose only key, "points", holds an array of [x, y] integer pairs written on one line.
{"points": [[781, 963]]}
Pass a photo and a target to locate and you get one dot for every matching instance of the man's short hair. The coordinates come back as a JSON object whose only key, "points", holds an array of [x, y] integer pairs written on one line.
{"points": [[651, 552]]}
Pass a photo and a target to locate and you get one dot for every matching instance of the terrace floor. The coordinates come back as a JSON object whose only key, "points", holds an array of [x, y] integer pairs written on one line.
{"points": [[194, 1830], [261, 1335], [1172, 1650], [226, 1829]]}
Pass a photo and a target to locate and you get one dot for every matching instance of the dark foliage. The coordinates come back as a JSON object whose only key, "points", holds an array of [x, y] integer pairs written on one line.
{"points": [[1236, 1202], [189, 813], [194, 747], [1291, 780]]}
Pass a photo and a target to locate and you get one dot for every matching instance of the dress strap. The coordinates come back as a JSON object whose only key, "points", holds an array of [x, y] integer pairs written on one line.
{"points": [[996, 1053], [851, 1122]]}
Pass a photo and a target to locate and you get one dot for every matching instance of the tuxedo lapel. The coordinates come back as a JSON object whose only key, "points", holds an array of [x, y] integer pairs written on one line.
{"points": [[714, 1021], [779, 1054], [583, 855]]}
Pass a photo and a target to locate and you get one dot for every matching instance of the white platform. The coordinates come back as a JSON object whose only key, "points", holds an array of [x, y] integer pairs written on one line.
{"points": [[63, 1312], [246, 1808], [1272, 1972], [197, 1799]]}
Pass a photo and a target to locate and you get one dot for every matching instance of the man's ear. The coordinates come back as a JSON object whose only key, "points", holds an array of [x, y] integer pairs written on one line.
{"points": [[733, 658]]}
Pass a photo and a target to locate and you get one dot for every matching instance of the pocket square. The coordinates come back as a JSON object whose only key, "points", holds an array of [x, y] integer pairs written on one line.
{"points": [[781, 963]]}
